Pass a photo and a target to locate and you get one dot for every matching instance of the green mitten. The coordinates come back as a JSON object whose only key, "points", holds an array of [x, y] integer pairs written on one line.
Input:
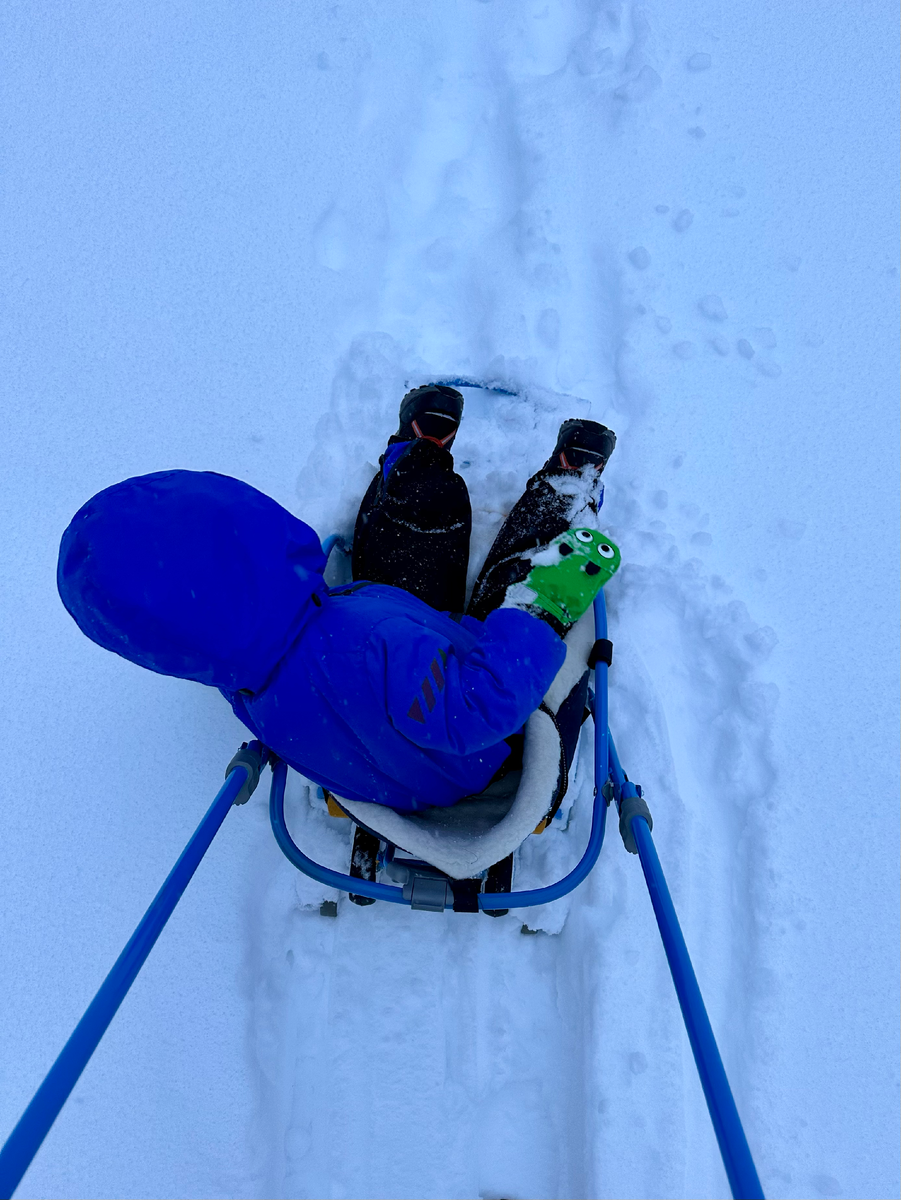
{"points": [[566, 576]]}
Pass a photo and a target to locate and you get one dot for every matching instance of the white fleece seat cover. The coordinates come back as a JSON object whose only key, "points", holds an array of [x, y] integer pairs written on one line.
{"points": [[465, 839]]}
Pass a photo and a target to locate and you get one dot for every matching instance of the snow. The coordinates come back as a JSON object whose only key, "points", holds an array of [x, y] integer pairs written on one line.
{"points": [[232, 235]]}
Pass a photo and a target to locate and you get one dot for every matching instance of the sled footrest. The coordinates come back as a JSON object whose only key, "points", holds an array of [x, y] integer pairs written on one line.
{"points": [[499, 879], [364, 861]]}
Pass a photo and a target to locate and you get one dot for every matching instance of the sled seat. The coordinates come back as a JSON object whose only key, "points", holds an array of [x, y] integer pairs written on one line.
{"points": [[466, 838]]}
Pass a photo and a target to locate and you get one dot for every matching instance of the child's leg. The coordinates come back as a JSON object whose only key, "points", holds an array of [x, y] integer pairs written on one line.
{"points": [[538, 516], [413, 527], [553, 501], [566, 492]]}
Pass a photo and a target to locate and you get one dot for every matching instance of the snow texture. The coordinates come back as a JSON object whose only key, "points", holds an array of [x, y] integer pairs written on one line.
{"points": [[232, 236]]}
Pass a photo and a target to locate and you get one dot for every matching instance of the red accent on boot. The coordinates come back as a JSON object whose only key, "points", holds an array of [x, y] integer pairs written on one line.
{"points": [[569, 467], [438, 441]]}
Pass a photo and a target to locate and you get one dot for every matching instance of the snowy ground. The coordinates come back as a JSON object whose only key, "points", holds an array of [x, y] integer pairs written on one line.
{"points": [[232, 235]]}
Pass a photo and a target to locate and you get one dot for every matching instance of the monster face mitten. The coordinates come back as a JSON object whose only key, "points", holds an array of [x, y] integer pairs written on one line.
{"points": [[565, 577]]}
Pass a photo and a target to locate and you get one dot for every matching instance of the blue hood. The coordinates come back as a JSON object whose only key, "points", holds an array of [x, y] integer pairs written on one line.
{"points": [[191, 574]]}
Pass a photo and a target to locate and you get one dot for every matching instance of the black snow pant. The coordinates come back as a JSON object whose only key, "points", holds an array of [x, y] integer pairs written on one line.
{"points": [[413, 530]]}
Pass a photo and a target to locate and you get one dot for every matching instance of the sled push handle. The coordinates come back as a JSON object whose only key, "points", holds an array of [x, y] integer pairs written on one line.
{"points": [[730, 1135], [23, 1143]]}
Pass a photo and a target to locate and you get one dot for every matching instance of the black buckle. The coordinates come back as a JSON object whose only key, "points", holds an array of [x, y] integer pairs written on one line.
{"points": [[601, 651]]}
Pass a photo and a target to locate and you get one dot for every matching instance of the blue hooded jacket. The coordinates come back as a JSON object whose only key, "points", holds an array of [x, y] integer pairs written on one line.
{"points": [[364, 689]]}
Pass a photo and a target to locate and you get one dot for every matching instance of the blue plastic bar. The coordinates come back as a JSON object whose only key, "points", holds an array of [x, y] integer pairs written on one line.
{"points": [[395, 895], [474, 383], [740, 1169], [602, 741], [486, 900], [617, 774], [34, 1125], [599, 813], [554, 891], [291, 851]]}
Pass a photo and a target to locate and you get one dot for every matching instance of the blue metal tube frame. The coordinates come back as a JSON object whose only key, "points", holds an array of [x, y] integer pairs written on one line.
{"points": [[599, 812], [35, 1123], [736, 1154], [486, 900], [294, 854]]}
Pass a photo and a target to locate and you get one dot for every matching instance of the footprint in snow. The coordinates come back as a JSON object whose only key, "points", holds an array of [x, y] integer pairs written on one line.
{"points": [[330, 240], [638, 1063], [639, 258], [440, 255], [793, 530], [548, 328], [643, 85], [682, 220], [712, 307]]}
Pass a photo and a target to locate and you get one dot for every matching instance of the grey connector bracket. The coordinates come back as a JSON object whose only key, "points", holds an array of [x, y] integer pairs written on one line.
{"points": [[253, 761], [632, 806], [427, 893]]}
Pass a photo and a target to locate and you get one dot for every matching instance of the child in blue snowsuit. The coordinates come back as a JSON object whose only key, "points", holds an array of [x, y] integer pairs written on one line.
{"points": [[367, 689]]}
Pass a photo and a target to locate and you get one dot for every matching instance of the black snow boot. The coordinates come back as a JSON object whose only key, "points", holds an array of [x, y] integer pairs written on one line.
{"points": [[431, 412], [581, 443], [552, 503], [414, 523]]}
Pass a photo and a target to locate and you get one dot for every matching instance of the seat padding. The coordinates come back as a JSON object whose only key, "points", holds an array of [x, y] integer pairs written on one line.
{"points": [[466, 838]]}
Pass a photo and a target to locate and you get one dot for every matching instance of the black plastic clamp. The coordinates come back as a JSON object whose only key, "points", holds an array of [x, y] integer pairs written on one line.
{"points": [[252, 756], [601, 651]]}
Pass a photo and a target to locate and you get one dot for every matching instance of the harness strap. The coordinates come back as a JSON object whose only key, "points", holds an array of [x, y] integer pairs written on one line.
{"points": [[601, 651]]}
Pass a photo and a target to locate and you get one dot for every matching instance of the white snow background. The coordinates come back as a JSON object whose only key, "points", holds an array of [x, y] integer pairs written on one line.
{"points": [[232, 234]]}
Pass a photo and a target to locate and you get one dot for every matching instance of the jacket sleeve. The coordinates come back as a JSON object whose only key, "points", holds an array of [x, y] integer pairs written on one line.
{"points": [[461, 702]]}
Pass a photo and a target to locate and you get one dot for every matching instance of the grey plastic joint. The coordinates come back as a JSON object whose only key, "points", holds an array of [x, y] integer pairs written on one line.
{"points": [[427, 894], [632, 806], [253, 761]]}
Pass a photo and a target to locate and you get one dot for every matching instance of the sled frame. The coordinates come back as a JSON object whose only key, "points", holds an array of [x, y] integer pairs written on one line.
{"points": [[459, 894]]}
